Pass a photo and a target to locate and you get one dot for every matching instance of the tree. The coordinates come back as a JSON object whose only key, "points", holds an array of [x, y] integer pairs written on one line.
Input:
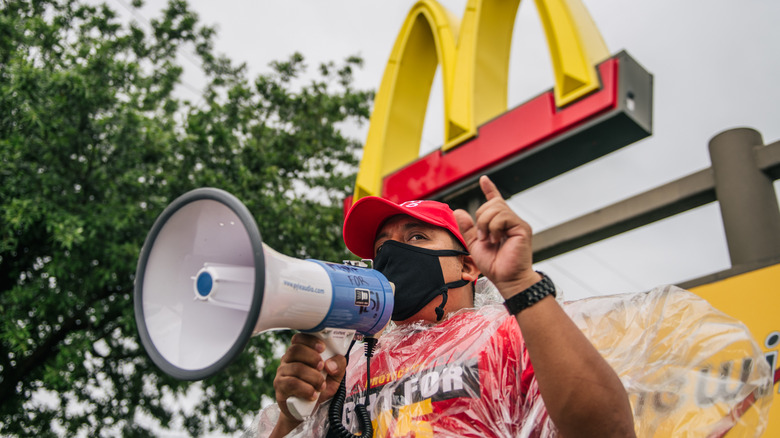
{"points": [[94, 143]]}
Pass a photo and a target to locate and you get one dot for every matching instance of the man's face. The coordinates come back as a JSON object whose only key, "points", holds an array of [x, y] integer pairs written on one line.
{"points": [[410, 231]]}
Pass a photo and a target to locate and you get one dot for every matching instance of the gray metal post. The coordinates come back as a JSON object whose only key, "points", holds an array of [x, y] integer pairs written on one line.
{"points": [[748, 203]]}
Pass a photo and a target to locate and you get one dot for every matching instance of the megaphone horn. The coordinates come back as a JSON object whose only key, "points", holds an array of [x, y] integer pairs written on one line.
{"points": [[206, 283]]}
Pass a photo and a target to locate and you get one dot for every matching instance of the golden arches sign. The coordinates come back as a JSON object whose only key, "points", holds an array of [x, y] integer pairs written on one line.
{"points": [[474, 57]]}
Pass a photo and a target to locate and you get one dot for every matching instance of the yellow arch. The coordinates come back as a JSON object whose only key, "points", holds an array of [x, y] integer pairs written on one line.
{"points": [[474, 57], [575, 45]]}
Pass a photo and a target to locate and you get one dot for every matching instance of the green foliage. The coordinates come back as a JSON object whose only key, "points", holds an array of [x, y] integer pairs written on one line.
{"points": [[94, 143]]}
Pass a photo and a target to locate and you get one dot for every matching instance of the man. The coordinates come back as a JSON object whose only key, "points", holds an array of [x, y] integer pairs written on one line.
{"points": [[582, 394]]}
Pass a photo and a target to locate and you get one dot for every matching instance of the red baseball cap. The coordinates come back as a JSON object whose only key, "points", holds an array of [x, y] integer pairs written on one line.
{"points": [[369, 213]]}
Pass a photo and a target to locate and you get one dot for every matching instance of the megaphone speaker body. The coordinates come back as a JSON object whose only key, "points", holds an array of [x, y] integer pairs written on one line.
{"points": [[206, 283]]}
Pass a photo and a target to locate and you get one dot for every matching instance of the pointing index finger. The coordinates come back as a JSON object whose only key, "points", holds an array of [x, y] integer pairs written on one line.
{"points": [[488, 188]]}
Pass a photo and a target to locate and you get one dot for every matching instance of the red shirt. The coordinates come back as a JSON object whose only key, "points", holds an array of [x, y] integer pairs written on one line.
{"points": [[468, 376]]}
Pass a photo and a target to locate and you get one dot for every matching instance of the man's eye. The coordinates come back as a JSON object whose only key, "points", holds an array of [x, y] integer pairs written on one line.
{"points": [[416, 237]]}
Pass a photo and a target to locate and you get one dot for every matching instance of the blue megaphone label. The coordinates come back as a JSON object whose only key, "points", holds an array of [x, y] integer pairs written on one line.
{"points": [[362, 299]]}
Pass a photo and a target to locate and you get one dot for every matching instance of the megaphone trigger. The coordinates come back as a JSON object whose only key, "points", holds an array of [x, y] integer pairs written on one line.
{"points": [[336, 342]]}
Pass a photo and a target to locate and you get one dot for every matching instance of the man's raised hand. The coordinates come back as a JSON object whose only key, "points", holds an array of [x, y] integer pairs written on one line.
{"points": [[499, 242]]}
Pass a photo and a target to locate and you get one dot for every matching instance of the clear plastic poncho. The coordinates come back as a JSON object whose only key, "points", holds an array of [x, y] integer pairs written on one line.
{"points": [[689, 370]]}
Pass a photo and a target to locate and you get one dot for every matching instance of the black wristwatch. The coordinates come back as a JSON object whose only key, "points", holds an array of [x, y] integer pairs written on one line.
{"points": [[527, 298]]}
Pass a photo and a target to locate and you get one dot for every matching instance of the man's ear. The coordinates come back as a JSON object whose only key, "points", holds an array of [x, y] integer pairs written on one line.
{"points": [[469, 272]]}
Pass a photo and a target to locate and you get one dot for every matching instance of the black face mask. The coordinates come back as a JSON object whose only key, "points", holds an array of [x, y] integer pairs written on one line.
{"points": [[416, 273]]}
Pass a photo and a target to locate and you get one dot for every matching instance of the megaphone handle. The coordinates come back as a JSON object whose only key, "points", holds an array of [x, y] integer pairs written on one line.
{"points": [[336, 342]]}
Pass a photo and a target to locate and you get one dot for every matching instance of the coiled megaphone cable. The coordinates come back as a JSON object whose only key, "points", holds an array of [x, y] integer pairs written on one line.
{"points": [[337, 429]]}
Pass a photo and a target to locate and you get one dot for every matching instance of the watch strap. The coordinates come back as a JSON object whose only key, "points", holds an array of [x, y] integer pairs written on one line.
{"points": [[527, 298]]}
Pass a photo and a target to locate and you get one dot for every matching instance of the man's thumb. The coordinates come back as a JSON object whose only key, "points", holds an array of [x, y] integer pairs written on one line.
{"points": [[466, 226]]}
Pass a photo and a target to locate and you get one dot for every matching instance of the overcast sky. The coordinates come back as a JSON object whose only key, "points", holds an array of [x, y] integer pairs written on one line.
{"points": [[715, 65]]}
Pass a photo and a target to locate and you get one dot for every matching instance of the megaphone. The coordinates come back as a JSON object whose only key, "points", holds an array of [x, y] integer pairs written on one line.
{"points": [[206, 283]]}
